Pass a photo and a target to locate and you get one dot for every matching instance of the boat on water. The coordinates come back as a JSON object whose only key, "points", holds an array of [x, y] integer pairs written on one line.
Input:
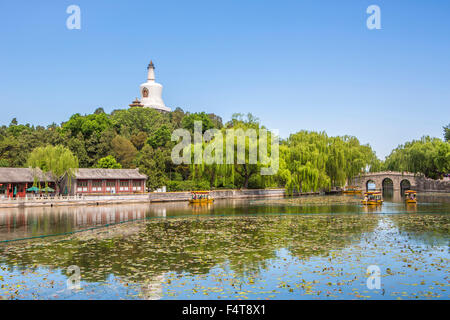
{"points": [[410, 196], [352, 190], [372, 198], [200, 197]]}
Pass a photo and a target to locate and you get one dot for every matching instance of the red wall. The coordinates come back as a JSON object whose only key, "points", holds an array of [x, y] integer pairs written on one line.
{"points": [[117, 183]]}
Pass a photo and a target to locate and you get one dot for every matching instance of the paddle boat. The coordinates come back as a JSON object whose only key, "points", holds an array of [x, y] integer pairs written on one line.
{"points": [[200, 197], [410, 196], [372, 198], [352, 190]]}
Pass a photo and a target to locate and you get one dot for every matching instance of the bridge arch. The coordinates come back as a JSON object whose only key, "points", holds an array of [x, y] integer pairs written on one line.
{"points": [[387, 183], [405, 184], [370, 185]]}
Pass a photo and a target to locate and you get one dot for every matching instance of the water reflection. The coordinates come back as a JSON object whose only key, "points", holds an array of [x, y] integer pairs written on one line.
{"points": [[176, 249], [138, 252], [30, 222], [288, 256], [27, 222]]}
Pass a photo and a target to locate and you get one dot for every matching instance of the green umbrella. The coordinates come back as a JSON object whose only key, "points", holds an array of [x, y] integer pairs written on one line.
{"points": [[33, 189], [47, 189]]}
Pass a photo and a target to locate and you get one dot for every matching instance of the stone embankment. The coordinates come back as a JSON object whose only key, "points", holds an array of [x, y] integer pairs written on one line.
{"points": [[137, 198]]}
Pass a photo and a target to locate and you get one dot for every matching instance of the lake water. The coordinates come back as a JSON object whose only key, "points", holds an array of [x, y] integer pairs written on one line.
{"points": [[232, 249]]}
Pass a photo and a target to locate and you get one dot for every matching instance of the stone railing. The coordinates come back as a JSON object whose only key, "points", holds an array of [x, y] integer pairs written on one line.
{"points": [[42, 198]]}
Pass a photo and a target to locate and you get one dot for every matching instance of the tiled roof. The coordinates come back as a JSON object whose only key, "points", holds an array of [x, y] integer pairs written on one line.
{"points": [[16, 175], [83, 173]]}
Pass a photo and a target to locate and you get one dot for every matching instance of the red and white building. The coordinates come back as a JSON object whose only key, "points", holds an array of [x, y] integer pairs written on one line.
{"points": [[14, 182], [104, 181]]}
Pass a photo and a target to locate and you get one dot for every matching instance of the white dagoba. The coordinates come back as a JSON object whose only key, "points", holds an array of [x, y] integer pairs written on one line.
{"points": [[151, 92]]}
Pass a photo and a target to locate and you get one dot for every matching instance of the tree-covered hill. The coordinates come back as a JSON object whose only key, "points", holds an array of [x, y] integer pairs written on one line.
{"points": [[141, 138]]}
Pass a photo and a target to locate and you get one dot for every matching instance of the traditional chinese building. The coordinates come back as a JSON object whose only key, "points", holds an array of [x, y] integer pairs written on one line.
{"points": [[136, 103], [14, 182], [104, 181]]}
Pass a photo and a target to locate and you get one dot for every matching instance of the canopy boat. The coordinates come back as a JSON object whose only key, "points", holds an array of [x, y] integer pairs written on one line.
{"points": [[352, 190], [410, 196], [372, 198], [201, 197]]}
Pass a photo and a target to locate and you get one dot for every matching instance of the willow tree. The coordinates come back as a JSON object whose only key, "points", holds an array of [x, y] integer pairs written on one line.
{"points": [[235, 154], [303, 159], [54, 161], [248, 151], [428, 156], [311, 161]]}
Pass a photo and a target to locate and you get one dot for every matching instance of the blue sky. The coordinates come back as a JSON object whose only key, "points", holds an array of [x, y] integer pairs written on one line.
{"points": [[294, 64]]}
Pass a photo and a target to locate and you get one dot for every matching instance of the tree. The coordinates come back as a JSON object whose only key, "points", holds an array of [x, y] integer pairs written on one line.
{"points": [[55, 161], [160, 137], [428, 156], [134, 120], [87, 125], [447, 133], [311, 160], [99, 110], [124, 151], [188, 121], [139, 140], [176, 116], [153, 163], [108, 162], [242, 170]]}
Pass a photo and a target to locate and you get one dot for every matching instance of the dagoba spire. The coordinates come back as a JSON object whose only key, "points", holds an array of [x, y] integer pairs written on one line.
{"points": [[151, 71]]}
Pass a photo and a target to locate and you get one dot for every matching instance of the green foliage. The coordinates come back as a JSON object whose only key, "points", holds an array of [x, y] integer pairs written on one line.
{"points": [[187, 185], [310, 161], [139, 140], [108, 162], [124, 151], [134, 120], [141, 137], [160, 137], [428, 156], [4, 163], [54, 160], [153, 163], [447, 133], [87, 125], [188, 121]]}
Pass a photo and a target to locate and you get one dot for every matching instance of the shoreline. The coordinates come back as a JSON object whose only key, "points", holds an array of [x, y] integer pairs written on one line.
{"points": [[162, 197], [153, 197]]}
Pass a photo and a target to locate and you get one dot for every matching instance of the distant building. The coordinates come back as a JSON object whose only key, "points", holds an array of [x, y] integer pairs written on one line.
{"points": [[104, 181], [14, 182], [151, 93], [136, 103]]}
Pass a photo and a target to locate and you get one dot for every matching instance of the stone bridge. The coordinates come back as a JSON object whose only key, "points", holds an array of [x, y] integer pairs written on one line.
{"points": [[387, 178]]}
